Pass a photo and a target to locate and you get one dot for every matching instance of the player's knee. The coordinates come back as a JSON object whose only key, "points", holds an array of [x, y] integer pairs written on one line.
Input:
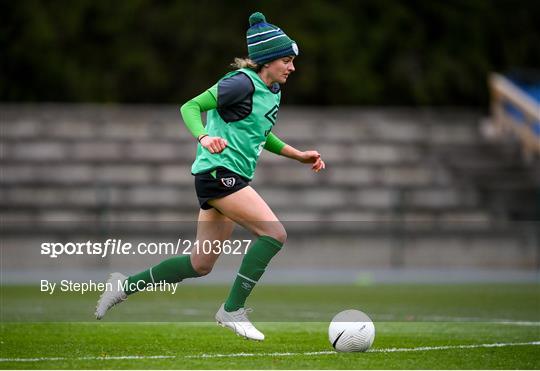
{"points": [[203, 268], [279, 233]]}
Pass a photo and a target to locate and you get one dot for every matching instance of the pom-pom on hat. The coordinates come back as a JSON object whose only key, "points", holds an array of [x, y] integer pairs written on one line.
{"points": [[267, 42]]}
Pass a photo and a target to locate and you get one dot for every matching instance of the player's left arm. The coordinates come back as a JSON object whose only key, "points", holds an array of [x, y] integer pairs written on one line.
{"points": [[277, 146]]}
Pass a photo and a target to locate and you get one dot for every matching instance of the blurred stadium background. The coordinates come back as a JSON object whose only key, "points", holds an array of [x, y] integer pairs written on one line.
{"points": [[427, 113]]}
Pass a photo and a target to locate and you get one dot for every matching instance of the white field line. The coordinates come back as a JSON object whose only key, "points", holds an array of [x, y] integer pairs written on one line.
{"points": [[517, 323], [378, 318], [498, 321], [233, 355], [381, 350], [445, 347], [90, 358]]}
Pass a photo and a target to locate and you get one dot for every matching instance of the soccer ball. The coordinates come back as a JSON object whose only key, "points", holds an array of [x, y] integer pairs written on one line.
{"points": [[351, 331]]}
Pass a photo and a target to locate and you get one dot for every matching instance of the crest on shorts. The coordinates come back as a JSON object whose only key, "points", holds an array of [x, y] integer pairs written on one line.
{"points": [[228, 182]]}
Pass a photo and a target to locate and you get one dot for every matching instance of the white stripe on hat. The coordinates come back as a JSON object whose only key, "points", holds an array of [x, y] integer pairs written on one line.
{"points": [[262, 33], [272, 38]]}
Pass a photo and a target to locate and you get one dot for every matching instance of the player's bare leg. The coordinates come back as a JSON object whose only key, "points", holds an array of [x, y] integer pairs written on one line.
{"points": [[211, 226]]}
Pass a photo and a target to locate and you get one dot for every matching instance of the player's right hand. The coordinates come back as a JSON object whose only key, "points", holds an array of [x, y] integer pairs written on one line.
{"points": [[214, 144]]}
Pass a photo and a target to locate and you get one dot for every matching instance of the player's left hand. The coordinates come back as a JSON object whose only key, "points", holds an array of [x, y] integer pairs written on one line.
{"points": [[312, 157]]}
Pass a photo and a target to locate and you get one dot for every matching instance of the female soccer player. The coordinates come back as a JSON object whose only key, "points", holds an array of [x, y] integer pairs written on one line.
{"points": [[242, 109]]}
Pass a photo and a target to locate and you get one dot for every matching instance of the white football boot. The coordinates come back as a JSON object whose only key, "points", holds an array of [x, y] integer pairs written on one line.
{"points": [[239, 323], [109, 298]]}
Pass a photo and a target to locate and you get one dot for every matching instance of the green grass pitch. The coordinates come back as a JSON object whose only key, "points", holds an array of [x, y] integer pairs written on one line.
{"points": [[418, 327]]}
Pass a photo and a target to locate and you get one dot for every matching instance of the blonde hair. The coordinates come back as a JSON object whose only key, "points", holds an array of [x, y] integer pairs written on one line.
{"points": [[245, 63]]}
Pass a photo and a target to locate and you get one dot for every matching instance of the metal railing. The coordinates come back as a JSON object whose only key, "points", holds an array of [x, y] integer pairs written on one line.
{"points": [[515, 113]]}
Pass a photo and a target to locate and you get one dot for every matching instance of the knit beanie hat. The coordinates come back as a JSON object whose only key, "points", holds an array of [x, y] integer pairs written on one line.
{"points": [[267, 42]]}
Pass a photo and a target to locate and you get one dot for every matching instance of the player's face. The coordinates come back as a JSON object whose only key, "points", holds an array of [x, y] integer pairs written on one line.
{"points": [[280, 69]]}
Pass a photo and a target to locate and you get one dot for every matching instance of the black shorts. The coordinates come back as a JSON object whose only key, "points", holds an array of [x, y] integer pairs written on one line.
{"points": [[223, 184]]}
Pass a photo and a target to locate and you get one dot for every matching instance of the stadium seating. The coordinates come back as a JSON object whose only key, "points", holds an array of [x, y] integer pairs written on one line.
{"points": [[406, 177]]}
